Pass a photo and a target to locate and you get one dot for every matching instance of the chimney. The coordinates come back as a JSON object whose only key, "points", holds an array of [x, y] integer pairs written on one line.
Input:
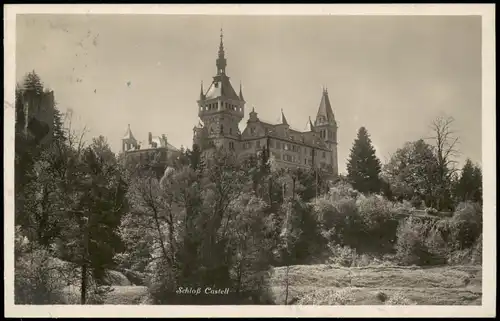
{"points": [[150, 138], [164, 140]]}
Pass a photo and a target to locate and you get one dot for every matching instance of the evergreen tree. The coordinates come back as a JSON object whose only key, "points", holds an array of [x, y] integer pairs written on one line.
{"points": [[58, 132], [469, 185], [32, 83], [195, 157], [92, 233], [363, 167]]}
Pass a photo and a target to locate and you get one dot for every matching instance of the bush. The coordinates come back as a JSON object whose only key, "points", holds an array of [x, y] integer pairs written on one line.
{"points": [[342, 255], [348, 257], [466, 225], [431, 211], [379, 223], [39, 279], [339, 220], [404, 207], [413, 243]]}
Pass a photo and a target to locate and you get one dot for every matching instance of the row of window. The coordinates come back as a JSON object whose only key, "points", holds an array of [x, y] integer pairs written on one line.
{"points": [[284, 146], [225, 105], [323, 133], [221, 130]]}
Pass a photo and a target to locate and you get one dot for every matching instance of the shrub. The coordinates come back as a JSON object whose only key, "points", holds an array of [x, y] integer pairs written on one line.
{"points": [[38, 278], [431, 211], [412, 246], [416, 201], [379, 223], [339, 220], [348, 257], [342, 255], [381, 296], [404, 207], [466, 225]]}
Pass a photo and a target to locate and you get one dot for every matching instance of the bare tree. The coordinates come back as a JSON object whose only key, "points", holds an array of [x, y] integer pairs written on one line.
{"points": [[445, 143]]}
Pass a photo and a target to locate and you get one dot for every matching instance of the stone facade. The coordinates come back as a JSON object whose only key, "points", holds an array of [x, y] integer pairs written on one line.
{"points": [[157, 146], [221, 109]]}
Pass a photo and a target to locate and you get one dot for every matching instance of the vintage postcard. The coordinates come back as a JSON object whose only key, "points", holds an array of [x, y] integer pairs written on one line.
{"points": [[249, 160]]}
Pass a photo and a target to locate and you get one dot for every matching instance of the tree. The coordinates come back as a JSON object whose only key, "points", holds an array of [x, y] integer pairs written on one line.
{"points": [[469, 185], [92, 236], [363, 167], [412, 173], [445, 150]]}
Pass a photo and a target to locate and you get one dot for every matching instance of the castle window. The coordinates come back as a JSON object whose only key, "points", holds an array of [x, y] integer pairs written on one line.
{"points": [[230, 131], [231, 145], [305, 161], [252, 130], [291, 137], [257, 144], [324, 155], [222, 129]]}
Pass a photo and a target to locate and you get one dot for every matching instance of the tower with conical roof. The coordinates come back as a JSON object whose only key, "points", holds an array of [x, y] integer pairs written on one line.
{"points": [[220, 108], [326, 126]]}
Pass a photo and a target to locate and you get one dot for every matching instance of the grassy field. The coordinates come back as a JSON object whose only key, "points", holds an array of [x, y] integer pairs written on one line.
{"points": [[324, 284]]}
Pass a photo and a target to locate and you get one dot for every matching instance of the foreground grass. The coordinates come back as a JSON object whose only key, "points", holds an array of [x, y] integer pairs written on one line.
{"points": [[324, 284]]}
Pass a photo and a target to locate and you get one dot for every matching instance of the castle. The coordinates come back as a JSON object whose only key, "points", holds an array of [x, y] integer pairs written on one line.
{"points": [[221, 109]]}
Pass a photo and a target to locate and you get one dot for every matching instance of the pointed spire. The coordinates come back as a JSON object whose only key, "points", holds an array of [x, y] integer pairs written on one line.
{"points": [[241, 93], [309, 126], [221, 45], [221, 60], [128, 134], [325, 109], [283, 118]]}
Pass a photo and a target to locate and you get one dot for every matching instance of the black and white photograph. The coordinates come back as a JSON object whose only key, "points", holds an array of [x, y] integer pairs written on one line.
{"points": [[223, 159]]}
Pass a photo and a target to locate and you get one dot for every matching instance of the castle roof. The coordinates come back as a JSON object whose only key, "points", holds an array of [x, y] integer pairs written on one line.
{"points": [[221, 87], [283, 118], [128, 134], [325, 108]]}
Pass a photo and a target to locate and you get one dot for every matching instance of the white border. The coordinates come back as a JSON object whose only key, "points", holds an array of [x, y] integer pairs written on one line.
{"points": [[489, 160]]}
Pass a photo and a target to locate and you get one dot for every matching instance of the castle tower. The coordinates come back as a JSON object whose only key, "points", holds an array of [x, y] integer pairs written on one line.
{"points": [[128, 141], [220, 108], [326, 126]]}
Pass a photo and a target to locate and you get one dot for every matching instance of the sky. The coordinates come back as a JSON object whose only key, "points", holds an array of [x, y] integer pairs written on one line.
{"points": [[391, 74]]}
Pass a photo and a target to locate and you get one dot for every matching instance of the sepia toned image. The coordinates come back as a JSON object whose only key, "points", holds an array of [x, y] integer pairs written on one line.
{"points": [[249, 160]]}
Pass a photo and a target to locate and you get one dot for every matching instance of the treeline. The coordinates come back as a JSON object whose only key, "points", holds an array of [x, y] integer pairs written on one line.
{"points": [[218, 222]]}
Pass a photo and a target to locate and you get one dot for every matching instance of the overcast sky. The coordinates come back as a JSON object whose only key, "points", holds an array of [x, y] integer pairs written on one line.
{"points": [[391, 74]]}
